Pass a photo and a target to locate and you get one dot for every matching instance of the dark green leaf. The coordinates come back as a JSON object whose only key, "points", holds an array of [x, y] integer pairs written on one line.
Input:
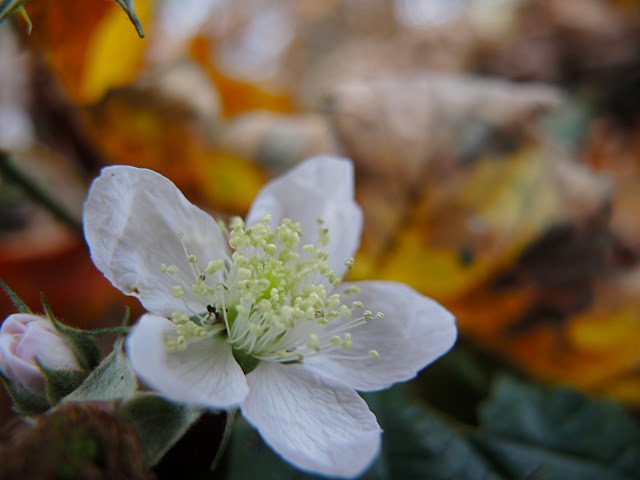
{"points": [[15, 299], [416, 445], [159, 423], [558, 434], [526, 432], [113, 379]]}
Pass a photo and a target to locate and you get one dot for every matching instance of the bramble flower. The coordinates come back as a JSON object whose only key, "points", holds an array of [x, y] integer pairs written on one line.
{"points": [[255, 314], [25, 341]]}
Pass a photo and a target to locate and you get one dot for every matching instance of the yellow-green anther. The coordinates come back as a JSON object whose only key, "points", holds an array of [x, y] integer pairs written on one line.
{"points": [[236, 223], [313, 342], [214, 266], [268, 301], [244, 273], [177, 291], [352, 290]]}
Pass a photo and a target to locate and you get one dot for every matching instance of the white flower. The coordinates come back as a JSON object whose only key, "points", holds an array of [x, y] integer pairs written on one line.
{"points": [[26, 340], [255, 316]]}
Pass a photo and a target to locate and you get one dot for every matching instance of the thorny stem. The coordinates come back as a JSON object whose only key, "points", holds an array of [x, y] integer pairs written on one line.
{"points": [[38, 194]]}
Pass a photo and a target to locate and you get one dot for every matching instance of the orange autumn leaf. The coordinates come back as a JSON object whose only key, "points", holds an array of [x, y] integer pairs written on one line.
{"points": [[141, 127], [465, 200], [90, 46], [238, 96]]}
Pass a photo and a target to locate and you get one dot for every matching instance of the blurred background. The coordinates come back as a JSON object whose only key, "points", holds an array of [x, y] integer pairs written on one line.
{"points": [[496, 146]]}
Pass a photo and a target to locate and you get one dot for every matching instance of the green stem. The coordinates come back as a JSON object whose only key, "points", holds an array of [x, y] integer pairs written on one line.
{"points": [[100, 331], [38, 194], [226, 436]]}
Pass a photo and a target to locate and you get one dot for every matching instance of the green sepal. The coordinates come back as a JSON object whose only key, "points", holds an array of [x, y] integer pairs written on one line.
{"points": [[158, 422], [127, 6], [247, 362], [24, 402], [60, 383], [15, 299], [113, 379], [84, 346]]}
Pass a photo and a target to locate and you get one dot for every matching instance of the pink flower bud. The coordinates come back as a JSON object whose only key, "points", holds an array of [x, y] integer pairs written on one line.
{"points": [[23, 338]]}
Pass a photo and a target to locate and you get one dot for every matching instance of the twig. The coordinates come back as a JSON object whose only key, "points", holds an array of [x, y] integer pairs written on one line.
{"points": [[38, 194]]}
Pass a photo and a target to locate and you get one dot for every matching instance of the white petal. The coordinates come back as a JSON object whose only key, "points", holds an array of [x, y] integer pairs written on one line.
{"points": [[320, 187], [415, 331], [204, 374], [313, 421], [131, 220]]}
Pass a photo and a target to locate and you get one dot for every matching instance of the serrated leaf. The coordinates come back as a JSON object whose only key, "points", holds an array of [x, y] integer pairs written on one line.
{"points": [[558, 434], [158, 422], [527, 432], [24, 402], [127, 6], [415, 445], [60, 383], [84, 346], [113, 379], [15, 299]]}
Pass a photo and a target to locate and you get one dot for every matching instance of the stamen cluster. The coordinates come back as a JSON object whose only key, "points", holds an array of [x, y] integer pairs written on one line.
{"points": [[270, 298]]}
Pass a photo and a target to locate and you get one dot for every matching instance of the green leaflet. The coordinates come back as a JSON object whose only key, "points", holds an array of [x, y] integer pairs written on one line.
{"points": [[557, 434]]}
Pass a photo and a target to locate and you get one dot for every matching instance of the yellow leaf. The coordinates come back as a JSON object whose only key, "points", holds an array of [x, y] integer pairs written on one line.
{"points": [[115, 52]]}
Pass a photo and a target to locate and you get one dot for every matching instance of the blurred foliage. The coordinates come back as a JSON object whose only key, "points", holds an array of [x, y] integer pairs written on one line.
{"points": [[81, 44], [512, 199], [515, 204], [525, 431]]}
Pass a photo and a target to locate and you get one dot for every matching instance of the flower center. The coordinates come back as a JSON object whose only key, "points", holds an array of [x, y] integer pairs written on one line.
{"points": [[269, 298]]}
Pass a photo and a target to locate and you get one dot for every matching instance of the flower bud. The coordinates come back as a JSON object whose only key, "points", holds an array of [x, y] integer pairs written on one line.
{"points": [[25, 341]]}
